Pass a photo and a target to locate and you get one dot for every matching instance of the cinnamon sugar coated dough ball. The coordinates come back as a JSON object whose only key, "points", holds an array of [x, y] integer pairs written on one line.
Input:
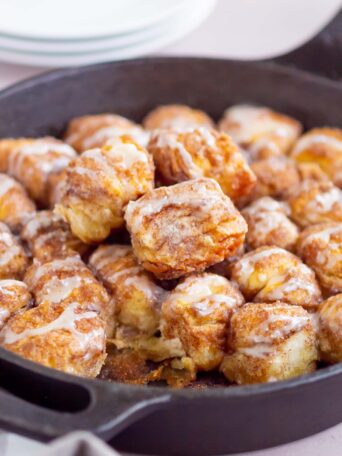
{"points": [[198, 311], [269, 342], [181, 156], [330, 329], [13, 260], [323, 147], [32, 164], [316, 202], [55, 188], [320, 246], [137, 297], [176, 117], [15, 205], [65, 281], [7, 145], [268, 224], [184, 228], [260, 130], [269, 274], [100, 183], [14, 295], [276, 177], [88, 132], [48, 236], [137, 300], [64, 337]]}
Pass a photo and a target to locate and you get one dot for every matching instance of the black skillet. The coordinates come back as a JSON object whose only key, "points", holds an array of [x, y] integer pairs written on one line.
{"points": [[44, 403]]}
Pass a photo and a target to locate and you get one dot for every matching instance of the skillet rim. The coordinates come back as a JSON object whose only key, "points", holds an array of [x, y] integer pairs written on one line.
{"points": [[232, 391]]}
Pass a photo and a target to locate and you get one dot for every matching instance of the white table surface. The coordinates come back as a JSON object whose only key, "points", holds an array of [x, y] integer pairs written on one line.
{"points": [[210, 40]]}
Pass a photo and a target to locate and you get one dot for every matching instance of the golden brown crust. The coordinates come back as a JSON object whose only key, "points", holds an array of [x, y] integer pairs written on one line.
{"points": [[137, 303], [137, 297], [64, 337], [316, 202], [322, 147], [320, 246], [330, 329], [48, 237], [6, 147], [55, 187], [198, 312], [276, 177], [269, 274], [13, 260], [100, 183], [65, 281], [14, 295], [176, 117], [32, 163], [15, 205], [184, 228], [269, 342], [88, 132], [180, 156], [260, 130], [268, 224]]}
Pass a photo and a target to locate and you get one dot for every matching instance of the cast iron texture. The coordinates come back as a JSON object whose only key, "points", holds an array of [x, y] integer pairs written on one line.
{"points": [[44, 403]]}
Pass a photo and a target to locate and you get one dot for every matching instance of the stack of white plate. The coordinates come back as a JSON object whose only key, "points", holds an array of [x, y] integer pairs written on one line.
{"points": [[78, 32]]}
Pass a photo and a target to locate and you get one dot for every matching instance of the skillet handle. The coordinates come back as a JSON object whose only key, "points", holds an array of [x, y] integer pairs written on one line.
{"points": [[44, 404]]}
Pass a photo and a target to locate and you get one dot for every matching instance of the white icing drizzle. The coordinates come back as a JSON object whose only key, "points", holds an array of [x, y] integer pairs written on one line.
{"points": [[4, 314], [101, 162], [198, 293], [180, 123], [126, 154], [102, 135], [312, 140], [206, 307], [203, 198], [144, 284], [65, 321], [263, 143], [44, 238], [7, 238], [40, 148], [263, 343], [57, 290], [6, 184], [265, 222], [10, 283], [43, 219], [12, 249], [257, 351], [289, 285], [254, 122], [72, 264], [166, 138], [265, 204], [323, 235], [208, 136], [104, 256], [115, 275], [325, 201], [246, 264], [92, 174]]}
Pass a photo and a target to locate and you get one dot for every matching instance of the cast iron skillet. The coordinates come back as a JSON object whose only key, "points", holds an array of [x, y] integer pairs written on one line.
{"points": [[44, 403]]}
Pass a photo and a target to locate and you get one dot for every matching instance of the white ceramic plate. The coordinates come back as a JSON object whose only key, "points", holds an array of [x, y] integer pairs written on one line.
{"points": [[189, 19], [94, 44], [78, 19], [258, 29]]}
